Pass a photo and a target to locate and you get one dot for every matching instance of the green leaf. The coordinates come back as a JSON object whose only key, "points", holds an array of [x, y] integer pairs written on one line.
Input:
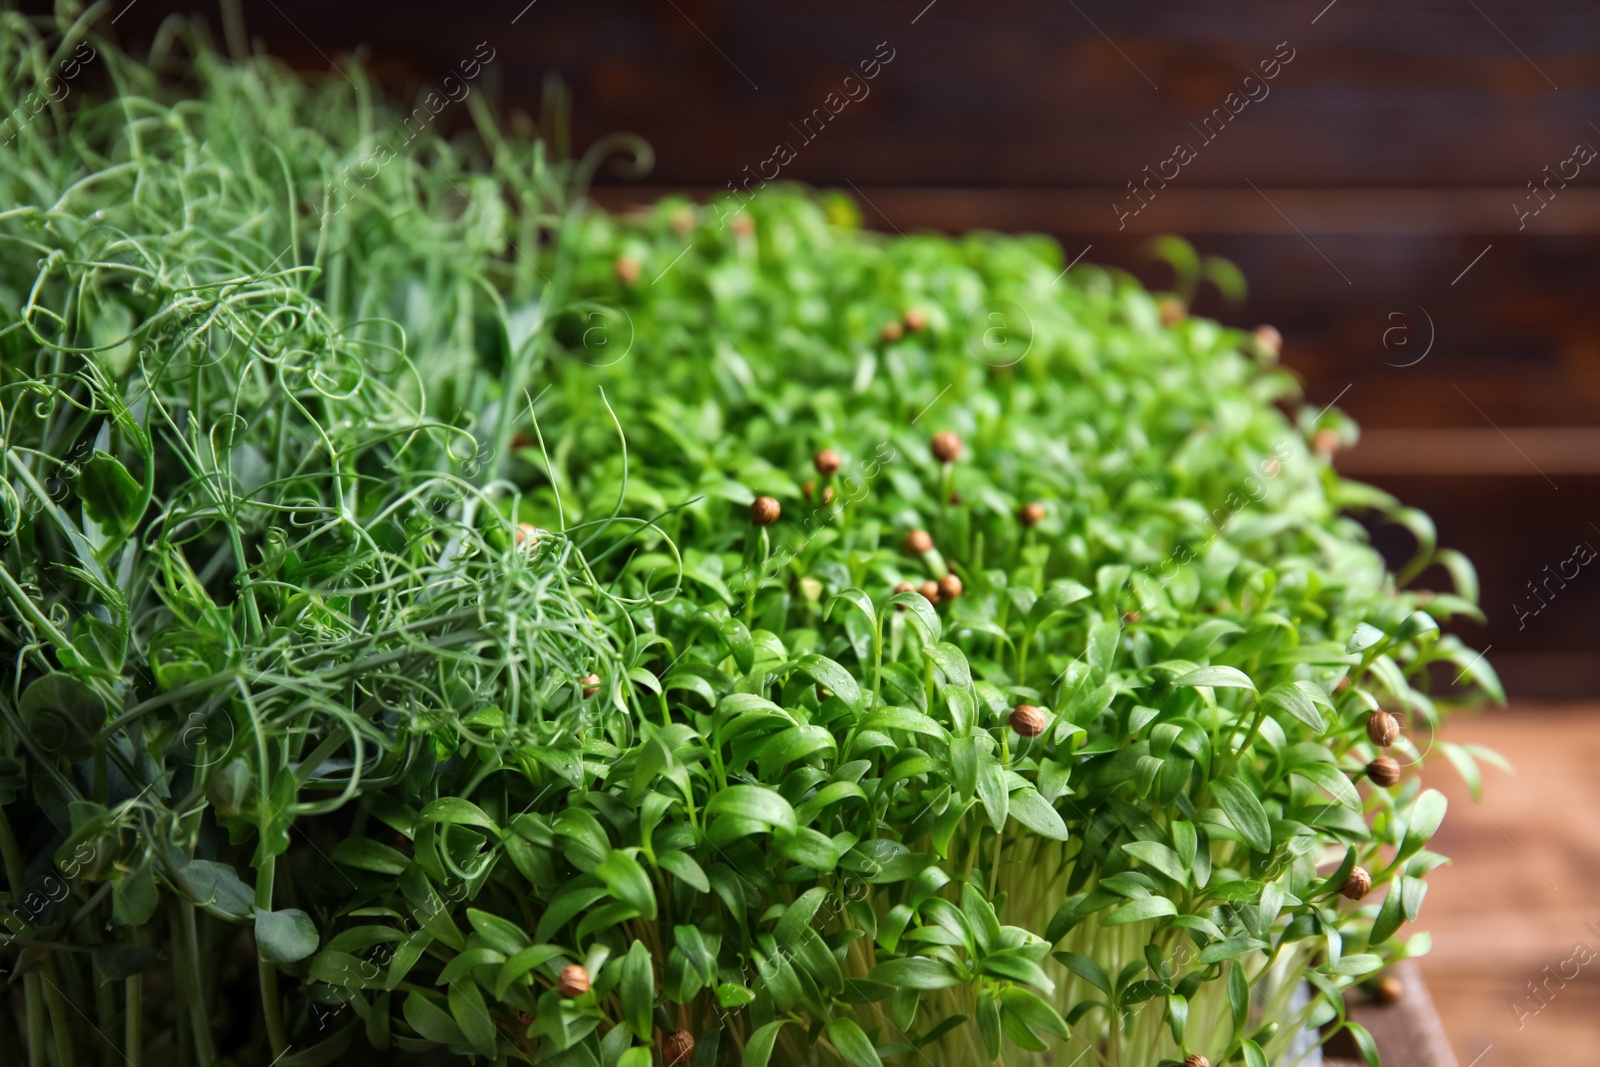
{"points": [[1358, 966], [456, 811], [952, 661], [1032, 811], [1364, 1042], [754, 802], [1245, 812], [916, 972], [1238, 998], [285, 936], [1330, 778], [1056, 600], [922, 614], [1160, 857], [638, 991], [522, 963], [134, 896], [852, 1043], [1365, 636], [826, 672], [992, 790], [1087, 969], [431, 1021], [989, 1022], [110, 494], [1217, 677], [686, 868], [1292, 698], [216, 888], [758, 1050], [472, 1016], [1426, 815], [1034, 1012], [63, 715], [502, 934], [855, 597], [1140, 910], [365, 854], [1390, 915]]}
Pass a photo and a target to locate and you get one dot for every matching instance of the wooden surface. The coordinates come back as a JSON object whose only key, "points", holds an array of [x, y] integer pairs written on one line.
{"points": [[1522, 894]]}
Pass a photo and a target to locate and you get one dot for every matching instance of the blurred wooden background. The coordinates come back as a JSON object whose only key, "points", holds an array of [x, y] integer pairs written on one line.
{"points": [[1370, 192]]}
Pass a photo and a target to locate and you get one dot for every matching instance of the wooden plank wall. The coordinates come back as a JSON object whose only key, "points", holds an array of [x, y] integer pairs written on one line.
{"points": [[1375, 190]]}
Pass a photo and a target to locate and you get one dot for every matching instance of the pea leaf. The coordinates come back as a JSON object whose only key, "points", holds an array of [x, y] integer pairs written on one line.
{"points": [[110, 494], [285, 936], [63, 715]]}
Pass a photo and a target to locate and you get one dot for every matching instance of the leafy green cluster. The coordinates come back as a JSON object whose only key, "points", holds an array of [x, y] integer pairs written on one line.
{"points": [[379, 577]]}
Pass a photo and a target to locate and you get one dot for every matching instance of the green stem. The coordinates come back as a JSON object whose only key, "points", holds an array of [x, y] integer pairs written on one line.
{"points": [[59, 1022], [12, 857], [267, 973], [186, 937]]}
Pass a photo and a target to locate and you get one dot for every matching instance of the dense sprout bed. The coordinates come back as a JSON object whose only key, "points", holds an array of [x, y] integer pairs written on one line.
{"points": [[442, 618]]}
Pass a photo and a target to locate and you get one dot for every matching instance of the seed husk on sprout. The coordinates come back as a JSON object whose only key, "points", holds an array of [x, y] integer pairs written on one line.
{"points": [[891, 332], [527, 535], [627, 270], [1325, 441], [950, 587], [827, 495], [1268, 339], [903, 587], [930, 591], [1027, 720], [1358, 885], [1031, 514], [916, 320], [574, 981], [1384, 772], [677, 1047], [591, 685], [1389, 990], [764, 511], [1172, 311], [919, 542], [827, 462], [1382, 728], [1196, 1060], [743, 225], [946, 446]]}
